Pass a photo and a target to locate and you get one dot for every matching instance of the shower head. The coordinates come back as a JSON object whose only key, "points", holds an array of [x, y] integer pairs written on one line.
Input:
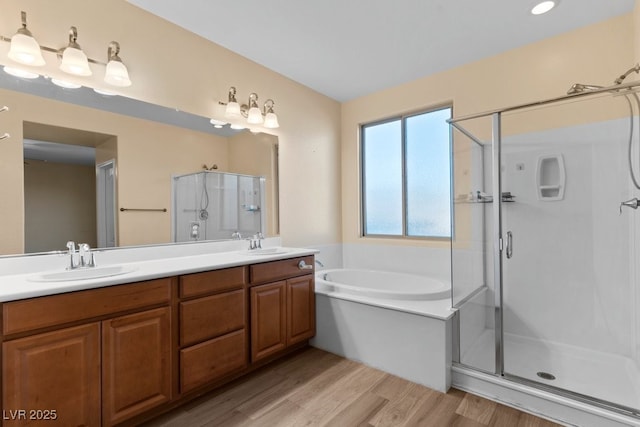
{"points": [[579, 87], [635, 68]]}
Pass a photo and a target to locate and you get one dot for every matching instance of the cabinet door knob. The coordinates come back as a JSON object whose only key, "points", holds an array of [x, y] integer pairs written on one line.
{"points": [[303, 265]]}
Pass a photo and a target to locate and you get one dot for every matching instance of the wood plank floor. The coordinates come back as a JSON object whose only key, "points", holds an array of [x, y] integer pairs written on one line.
{"points": [[316, 388]]}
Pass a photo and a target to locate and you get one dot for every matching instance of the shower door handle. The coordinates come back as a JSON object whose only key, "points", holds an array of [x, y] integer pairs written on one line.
{"points": [[509, 244]]}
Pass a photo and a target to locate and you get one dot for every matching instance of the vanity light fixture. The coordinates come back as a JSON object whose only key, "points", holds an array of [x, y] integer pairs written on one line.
{"points": [[74, 61], [251, 111], [25, 50], [24, 47], [270, 118], [116, 73], [543, 7]]}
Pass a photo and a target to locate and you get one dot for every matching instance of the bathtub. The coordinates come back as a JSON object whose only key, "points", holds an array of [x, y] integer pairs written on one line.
{"points": [[396, 322], [382, 284]]}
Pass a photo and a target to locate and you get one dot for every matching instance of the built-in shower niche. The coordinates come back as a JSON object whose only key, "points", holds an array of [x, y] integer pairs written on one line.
{"points": [[211, 205], [550, 177]]}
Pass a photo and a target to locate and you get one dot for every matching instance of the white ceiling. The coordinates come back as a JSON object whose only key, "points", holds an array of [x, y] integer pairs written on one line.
{"points": [[349, 48]]}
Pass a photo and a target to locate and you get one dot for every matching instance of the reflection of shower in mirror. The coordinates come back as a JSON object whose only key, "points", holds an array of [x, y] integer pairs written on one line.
{"points": [[214, 205]]}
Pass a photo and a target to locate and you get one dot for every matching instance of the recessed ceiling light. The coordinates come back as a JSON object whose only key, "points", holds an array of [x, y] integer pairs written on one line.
{"points": [[543, 7]]}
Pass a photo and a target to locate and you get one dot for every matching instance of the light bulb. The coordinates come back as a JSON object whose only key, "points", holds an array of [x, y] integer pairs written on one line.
{"points": [[271, 121], [233, 110], [75, 62], [255, 116], [117, 74], [25, 50]]}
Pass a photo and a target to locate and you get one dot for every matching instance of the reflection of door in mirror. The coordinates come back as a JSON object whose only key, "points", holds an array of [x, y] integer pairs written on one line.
{"points": [[60, 192], [106, 204]]}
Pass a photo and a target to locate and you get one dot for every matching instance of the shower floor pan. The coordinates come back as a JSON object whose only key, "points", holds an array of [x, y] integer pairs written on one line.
{"points": [[607, 377]]}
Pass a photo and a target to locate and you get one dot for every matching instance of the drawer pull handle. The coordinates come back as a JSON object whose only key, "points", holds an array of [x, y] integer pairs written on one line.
{"points": [[303, 265]]}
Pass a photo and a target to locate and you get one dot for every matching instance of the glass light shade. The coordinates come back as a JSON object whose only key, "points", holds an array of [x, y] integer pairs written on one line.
{"points": [[25, 50], [255, 116], [117, 74], [65, 84], [75, 62], [233, 110], [271, 121], [17, 72], [543, 7]]}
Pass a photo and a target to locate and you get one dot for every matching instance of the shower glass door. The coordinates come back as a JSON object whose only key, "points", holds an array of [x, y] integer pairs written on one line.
{"points": [[570, 288]]}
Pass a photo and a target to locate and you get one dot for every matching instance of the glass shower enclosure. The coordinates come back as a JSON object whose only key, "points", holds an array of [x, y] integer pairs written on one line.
{"points": [[545, 255], [212, 205]]}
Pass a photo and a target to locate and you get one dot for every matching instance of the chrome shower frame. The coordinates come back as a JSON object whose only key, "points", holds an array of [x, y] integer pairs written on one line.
{"points": [[499, 244]]}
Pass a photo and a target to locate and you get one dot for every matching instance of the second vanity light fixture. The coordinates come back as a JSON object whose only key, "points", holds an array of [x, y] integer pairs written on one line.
{"points": [[25, 50], [250, 111]]}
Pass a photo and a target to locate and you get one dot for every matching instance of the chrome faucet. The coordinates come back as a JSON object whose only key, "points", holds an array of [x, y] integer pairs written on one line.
{"points": [[85, 257], [71, 246], [236, 235], [255, 242]]}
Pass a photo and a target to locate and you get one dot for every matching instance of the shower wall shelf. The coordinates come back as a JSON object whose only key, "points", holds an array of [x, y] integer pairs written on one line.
{"points": [[550, 178], [480, 197]]}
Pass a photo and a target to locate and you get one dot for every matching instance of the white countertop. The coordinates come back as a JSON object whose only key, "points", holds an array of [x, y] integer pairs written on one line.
{"points": [[19, 286]]}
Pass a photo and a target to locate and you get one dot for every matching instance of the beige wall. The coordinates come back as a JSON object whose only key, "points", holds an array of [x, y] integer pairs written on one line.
{"points": [[596, 54], [60, 201], [172, 67]]}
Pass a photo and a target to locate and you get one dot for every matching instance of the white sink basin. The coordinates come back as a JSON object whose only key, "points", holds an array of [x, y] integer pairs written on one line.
{"points": [[81, 274], [266, 251]]}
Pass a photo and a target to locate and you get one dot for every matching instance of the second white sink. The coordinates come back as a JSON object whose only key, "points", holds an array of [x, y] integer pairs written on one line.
{"points": [[81, 274]]}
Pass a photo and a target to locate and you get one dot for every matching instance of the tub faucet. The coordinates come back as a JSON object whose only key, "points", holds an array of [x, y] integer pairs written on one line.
{"points": [[319, 263]]}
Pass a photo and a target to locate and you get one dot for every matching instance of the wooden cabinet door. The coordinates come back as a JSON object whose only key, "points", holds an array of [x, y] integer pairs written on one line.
{"points": [[301, 309], [268, 319], [136, 364], [57, 373]]}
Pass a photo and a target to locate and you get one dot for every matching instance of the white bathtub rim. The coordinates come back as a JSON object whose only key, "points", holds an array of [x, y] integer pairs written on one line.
{"points": [[436, 309], [440, 290]]}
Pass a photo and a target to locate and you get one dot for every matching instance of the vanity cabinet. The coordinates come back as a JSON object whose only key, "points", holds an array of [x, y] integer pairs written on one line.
{"points": [[118, 355], [94, 357], [283, 309], [213, 326]]}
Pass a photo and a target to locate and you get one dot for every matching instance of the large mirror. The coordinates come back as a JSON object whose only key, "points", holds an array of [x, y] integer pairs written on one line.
{"points": [[75, 154]]}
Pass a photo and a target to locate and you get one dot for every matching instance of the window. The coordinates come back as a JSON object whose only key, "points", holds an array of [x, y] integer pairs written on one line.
{"points": [[406, 176]]}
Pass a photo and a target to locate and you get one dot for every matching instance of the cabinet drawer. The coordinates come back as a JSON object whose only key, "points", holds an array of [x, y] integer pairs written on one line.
{"points": [[212, 281], [209, 317], [278, 270], [42, 312], [213, 359]]}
